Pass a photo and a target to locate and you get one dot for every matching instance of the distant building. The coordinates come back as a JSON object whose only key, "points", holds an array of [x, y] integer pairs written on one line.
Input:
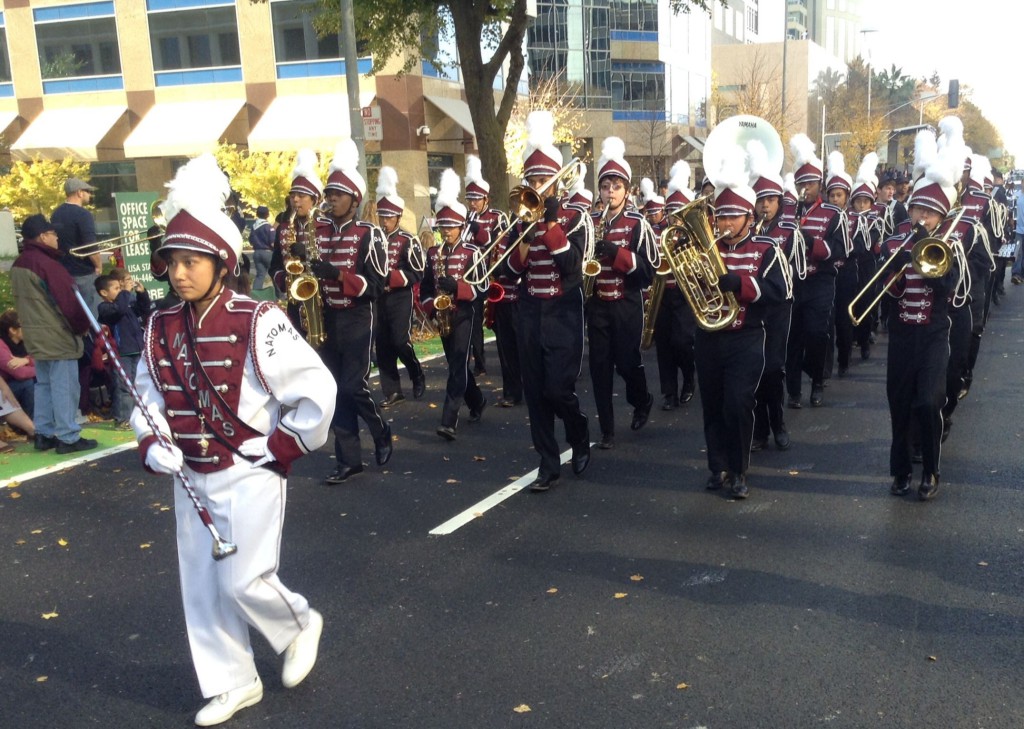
{"points": [[835, 25]]}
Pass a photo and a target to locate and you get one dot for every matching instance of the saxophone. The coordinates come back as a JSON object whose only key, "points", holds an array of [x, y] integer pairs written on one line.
{"points": [[443, 303], [303, 285], [592, 266]]}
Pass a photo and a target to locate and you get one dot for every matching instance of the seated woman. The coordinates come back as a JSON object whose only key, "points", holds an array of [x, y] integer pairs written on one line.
{"points": [[17, 367], [12, 414]]}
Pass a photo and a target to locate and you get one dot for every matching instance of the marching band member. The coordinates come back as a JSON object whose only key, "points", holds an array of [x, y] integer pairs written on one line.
{"points": [[551, 309], [501, 306], [405, 262], [241, 395], [776, 226], [865, 238], [822, 228], [578, 195], [730, 361], [890, 211], [446, 267], [676, 326], [304, 196], [351, 268], [628, 255], [838, 187], [919, 323]]}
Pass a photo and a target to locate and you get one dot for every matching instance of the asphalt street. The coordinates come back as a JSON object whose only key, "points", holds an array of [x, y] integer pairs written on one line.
{"points": [[630, 597]]}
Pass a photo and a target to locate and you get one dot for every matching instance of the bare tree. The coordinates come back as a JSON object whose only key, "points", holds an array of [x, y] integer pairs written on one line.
{"points": [[650, 144]]}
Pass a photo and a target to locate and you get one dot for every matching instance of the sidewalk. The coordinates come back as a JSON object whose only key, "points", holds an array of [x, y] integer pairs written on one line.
{"points": [[26, 462]]}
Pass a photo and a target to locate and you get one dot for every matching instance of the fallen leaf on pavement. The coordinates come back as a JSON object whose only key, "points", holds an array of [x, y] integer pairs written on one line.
{"points": [[682, 685], [552, 590], [41, 679], [637, 578], [452, 480], [147, 545], [62, 542], [620, 595], [522, 709], [47, 616], [15, 495]]}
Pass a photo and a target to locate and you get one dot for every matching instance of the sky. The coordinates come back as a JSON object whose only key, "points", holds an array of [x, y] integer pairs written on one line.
{"points": [[977, 42]]}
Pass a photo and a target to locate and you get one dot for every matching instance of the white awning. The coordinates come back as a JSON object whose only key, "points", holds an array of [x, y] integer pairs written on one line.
{"points": [[60, 133], [694, 142], [6, 119], [455, 109], [182, 129], [317, 121]]}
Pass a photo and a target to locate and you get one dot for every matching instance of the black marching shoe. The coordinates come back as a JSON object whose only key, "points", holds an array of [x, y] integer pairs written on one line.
{"points": [[342, 473], [580, 458], [900, 485], [446, 432], [737, 486], [607, 442], [393, 399], [782, 439], [817, 395], [82, 444], [686, 394], [715, 481], [966, 386], [543, 483], [929, 487], [865, 352], [947, 425], [475, 415], [641, 413], [45, 442], [671, 402], [382, 447], [793, 402], [758, 444], [419, 386]]}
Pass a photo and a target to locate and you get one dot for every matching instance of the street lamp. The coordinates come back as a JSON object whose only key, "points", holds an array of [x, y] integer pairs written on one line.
{"points": [[863, 33], [822, 147]]}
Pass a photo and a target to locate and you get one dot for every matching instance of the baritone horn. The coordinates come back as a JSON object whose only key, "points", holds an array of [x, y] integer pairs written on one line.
{"points": [[931, 257], [109, 245]]}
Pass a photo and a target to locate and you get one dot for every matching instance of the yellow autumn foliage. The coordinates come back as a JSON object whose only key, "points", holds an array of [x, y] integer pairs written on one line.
{"points": [[262, 178], [38, 186]]}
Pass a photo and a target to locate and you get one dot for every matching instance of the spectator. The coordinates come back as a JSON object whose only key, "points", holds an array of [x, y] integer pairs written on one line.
{"points": [[13, 414], [75, 227], [124, 308], [16, 365], [53, 327], [262, 240]]}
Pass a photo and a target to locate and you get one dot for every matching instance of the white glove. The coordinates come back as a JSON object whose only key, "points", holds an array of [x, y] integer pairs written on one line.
{"points": [[164, 458], [257, 448]]}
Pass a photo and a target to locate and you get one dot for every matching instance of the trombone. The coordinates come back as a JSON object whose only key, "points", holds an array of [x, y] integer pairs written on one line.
{"points": [[931, 257], [108, 245], [528, 205]]}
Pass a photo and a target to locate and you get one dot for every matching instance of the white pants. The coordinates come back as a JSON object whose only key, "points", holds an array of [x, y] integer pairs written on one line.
{"points": [[223, 598]]}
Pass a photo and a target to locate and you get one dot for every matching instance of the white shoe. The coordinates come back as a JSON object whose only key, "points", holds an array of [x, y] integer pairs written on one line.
{"points": [[300, 656], [223, 707]]}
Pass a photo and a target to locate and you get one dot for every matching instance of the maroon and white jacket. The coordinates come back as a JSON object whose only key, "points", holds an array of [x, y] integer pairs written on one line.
{"points": [[240, 371], [356, 248], [405, 261], [920, 301], [494, 221], [762, 281], [553, 263], [634, 263], [824, 229], [455, 261]]}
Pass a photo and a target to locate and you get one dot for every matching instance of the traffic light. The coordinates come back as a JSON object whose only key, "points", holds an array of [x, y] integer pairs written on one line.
{"points": [[954, 93]]}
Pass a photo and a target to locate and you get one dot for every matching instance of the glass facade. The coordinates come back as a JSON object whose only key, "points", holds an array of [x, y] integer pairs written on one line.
{"points": [[194, 38], [78, 48], [572, 39], [294, 36], [639, 15], [638, 86]]}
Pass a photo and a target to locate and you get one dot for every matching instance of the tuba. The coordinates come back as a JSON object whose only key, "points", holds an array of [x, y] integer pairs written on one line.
{"points": [[690, 251], [303, 285]]}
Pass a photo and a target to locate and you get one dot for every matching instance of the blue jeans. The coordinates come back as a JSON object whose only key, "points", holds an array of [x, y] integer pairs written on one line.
{"points": [[123, 402], [262, 260], [1018, 265], [24, 390], [57, 392]]}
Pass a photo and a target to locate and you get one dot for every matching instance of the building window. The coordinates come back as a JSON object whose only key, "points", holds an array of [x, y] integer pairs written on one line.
{"points": [[77, 41], [634, 15], [111, 177], [573, 42], [752, 18], [638, 87], [5, 59], [294, 36], [193, 38]]}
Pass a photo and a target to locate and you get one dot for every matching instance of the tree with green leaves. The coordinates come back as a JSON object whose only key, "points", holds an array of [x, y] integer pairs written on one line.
{"points": [[38, 186], [494, 30]]}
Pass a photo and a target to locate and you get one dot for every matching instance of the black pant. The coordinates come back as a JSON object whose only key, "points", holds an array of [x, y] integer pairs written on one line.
{"points": [[461, 383], [981, 287], [810, 331], [959, 352], [729, 366], [551, 355], [394, 329], [674, 330], [847, 286], [915, 383], [614, 329], [347, 355], [866, 267], [479, 360], [768, 411], [506, 325]]}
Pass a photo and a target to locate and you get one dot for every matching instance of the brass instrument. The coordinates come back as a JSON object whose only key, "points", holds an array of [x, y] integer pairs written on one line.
{"points": [[109, 245], [653, 303], [931, 257], [690, 250], [443, 304], [525, 205], [592, 266], [302, 284]]}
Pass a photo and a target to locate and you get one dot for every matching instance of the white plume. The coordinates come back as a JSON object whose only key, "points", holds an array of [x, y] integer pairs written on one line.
{"points": [[836, 164], [679, 177], [757, 161], [733, 170], [579, 183], [803, 150], [612, 148], [945, 168], [346, 157], [540, 129], [866, 171], [448, 190], [789, 184], [387, 182], [474, 169], [951, 129], [198, 185], [925, 151], [646, 189], [305, 165]]}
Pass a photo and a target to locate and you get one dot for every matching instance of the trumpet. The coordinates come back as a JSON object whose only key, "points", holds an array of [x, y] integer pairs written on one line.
{"points": [[931, 257], [528, 205], [108, 245]]}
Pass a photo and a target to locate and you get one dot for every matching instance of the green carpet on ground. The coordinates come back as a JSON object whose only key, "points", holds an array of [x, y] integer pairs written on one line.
{"points": [[26, 458]]}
